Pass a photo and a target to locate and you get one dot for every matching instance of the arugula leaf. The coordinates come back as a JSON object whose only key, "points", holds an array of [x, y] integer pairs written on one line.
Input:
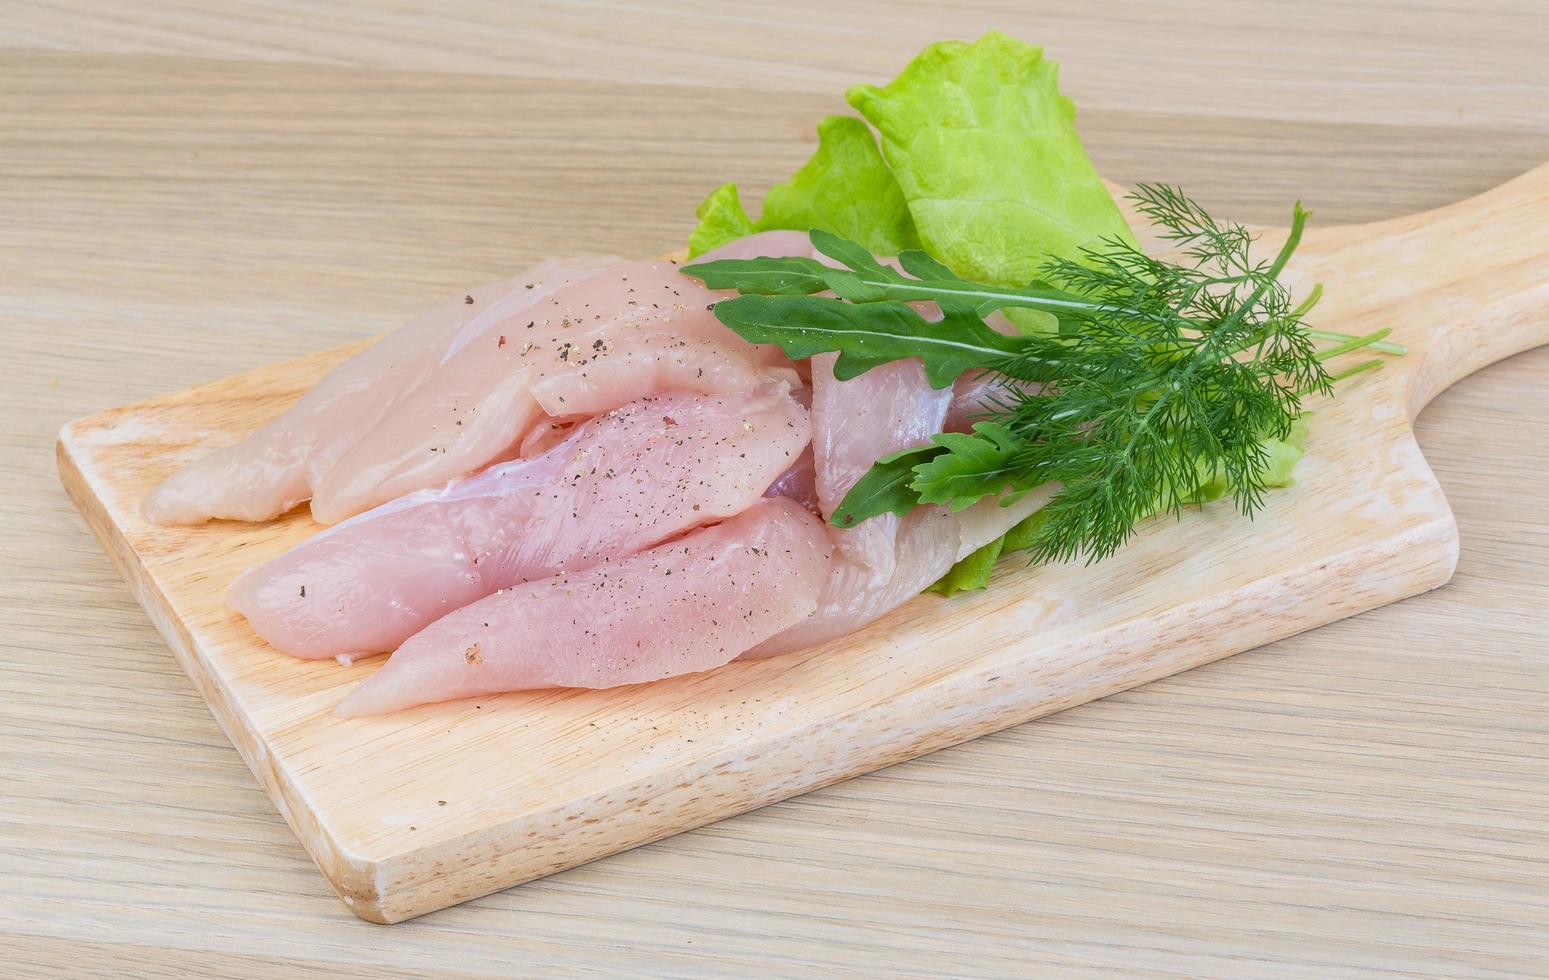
{"points": [[984, 148], [845, 188], [920, 265], [972, 467], [793, 275], [884, 489], [866, 334], [865, 280], [721, 220]]}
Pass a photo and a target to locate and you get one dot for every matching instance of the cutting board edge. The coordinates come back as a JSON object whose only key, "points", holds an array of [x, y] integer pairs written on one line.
{"points": [[221, 701], [384, 891], [1450, 335], [397, 886], [402, 885]]}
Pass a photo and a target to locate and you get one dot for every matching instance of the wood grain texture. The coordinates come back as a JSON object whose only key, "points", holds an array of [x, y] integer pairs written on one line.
{"points": [[428, 807], [1366, 799]]}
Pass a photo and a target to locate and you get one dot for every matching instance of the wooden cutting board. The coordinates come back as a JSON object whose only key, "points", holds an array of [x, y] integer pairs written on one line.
{"points": [[429, 807]]}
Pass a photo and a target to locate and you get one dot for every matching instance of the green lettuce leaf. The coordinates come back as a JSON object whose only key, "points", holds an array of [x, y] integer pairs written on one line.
{"points": [[845, 188], [984, 148], [971, 573], [721, 220], [1284, 454]]}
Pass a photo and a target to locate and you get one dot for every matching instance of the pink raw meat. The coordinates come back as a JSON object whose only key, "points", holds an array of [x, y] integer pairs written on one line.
{"points": [[799, 483], [621, 482], [763, 244], [682, 607], [980, 394], [482, 401], [278, 466], [927, 542], [857, 422]]}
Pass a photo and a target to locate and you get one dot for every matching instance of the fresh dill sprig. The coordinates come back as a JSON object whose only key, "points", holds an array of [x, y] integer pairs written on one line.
{"points": [[1161, 377]]}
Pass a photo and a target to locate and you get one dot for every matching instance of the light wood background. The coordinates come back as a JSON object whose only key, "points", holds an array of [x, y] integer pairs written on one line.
{"points": [[185, 193]]}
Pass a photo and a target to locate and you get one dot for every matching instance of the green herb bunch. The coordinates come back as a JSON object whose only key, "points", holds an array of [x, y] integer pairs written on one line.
{"points": [[1137, 384]]}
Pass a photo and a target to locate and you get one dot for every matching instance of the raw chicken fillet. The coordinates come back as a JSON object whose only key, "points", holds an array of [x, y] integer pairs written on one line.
{"points": [[280, 465], [622, 482], [588, 347], [682, 607], [579, 478]]}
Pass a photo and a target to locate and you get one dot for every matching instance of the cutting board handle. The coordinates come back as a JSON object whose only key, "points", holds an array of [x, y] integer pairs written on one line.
{"points": [[1462, 286]]}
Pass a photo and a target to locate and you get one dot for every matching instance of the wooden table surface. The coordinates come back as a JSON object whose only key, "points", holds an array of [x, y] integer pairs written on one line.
{"points": [[185, 193]]}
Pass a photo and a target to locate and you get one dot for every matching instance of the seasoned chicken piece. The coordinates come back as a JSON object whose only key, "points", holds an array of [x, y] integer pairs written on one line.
{"points": [[594, 345], [619, 483], [857, 422], [280, 465], [685, 606]]}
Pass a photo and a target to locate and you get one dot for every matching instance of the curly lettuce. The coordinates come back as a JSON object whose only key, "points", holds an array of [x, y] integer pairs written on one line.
{"points": [[845, 188], [981, 167], [721, 220], [984, 149]]}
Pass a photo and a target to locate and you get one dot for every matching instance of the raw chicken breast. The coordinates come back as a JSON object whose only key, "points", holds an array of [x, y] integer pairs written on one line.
{"points": [[973, 397], [637, 367], [979, 394], [621, 482], [922, 545], [799, 483], [544, 437], [885, 561], [928, 541], [857, 422], [685, 606], [763, 244], [483, 400], [278, 466]]}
